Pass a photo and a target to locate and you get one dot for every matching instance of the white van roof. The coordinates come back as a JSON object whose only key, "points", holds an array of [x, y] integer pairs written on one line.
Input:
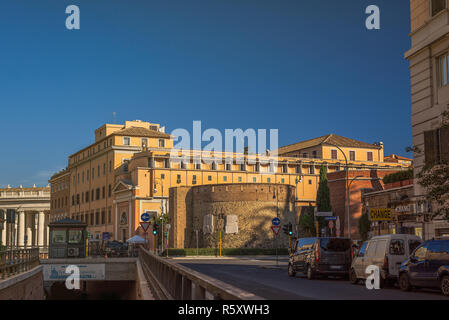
{"points": [[397, 236]]}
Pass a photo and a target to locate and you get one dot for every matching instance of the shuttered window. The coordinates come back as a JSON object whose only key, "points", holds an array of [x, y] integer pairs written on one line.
{"points": [[436, 146]]}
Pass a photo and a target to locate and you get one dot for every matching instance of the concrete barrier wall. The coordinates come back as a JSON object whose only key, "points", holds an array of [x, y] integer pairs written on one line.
{"points": [[24, 286]]}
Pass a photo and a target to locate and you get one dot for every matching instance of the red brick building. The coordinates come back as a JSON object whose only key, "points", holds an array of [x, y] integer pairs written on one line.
{"points": [[360, 180]]}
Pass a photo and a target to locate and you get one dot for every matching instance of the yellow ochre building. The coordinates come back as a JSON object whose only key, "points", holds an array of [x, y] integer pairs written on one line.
{"points": [[127, 171]]}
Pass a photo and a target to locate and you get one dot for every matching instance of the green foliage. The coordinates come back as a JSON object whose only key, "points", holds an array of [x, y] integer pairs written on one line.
{"points": [[323, 199], [435, 180], [398, 176], [364, 226], [307, 223], [226, 252]]}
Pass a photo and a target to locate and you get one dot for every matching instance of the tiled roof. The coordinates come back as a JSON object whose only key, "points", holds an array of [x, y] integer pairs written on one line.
{"points": [[395, 156], [330, 139], [141, 132]]}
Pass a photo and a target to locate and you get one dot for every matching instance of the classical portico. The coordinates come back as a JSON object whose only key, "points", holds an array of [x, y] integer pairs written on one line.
{"points": [[29, 227]]}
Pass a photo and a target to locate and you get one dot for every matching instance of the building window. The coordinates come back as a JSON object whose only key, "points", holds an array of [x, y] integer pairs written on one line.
{"points": [[334, 154], [125, 165], [228, 167], [254, 179], [198, 166], [167, 163], [110, 166], [436, 6], [194, 180], [225, 178], [282, 180], [109, 216], [161, 143], [209, 178], [103, 193], [304, 155], [311, 170], [87, 196], [104, 168], [436, 146], [109, 191], [144, 143], [352, 155], [443, 70], [314, 154], [178, 178], [126, 141], [98, 172], [268, 180], [97, 192], [240, 179], [92, 195], [284, 168], [97, 218], [103, 217], [93, 173], [369, 156], [310, 181], [214, 166]]}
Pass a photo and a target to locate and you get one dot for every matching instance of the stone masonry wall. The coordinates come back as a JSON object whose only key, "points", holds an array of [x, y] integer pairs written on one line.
{"points": [[255, 205]]}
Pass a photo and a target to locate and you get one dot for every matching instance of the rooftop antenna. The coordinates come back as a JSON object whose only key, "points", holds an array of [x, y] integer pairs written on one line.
{"points": [[114, 116]]}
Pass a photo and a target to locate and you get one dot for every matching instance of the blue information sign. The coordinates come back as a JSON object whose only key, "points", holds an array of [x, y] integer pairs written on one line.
{"points": [[330, 218], [276, 222], [145, 217]]}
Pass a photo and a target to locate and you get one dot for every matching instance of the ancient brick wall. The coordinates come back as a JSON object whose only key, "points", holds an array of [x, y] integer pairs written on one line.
{"points": [[255, 205]]}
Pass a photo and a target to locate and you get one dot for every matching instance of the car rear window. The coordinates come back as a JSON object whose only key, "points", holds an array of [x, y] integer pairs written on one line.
{"points": [[397, 247], [335, 245]]}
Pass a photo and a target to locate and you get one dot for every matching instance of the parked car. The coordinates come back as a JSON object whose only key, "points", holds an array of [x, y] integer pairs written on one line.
{"points": [[116, 249], [387, 252], [320, 256], [427, 267]]}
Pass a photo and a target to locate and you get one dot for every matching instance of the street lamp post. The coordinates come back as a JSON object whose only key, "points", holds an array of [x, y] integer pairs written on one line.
{"points": [[162, 209]]}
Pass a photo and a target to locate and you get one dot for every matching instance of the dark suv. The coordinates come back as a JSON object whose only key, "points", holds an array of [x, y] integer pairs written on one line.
{"points": [[427, 267], [320, 256]]}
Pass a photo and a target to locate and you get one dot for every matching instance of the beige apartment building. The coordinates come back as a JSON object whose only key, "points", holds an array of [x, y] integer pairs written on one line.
{"points": [[429, 76], [130, 169]]}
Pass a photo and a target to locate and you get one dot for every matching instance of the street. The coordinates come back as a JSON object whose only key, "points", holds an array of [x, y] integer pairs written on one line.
{"points": [[261, 276]]}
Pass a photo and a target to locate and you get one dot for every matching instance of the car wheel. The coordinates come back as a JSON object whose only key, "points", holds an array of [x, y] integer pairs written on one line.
{"points": [[445, 285], [404, 282], [310, 274], [353, 277], [291, 271]]}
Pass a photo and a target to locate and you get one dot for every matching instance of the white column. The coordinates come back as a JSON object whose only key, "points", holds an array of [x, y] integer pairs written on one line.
{"points": [[21, 229], [35, 228], [4, 233], [41, 229], [116, 223], [29, 232], [130, 219]]}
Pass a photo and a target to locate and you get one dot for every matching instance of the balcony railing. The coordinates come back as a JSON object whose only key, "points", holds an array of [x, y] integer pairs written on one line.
{"points": [[17, 260]]}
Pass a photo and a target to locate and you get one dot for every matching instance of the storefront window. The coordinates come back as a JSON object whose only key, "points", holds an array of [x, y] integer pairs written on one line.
{"points": [[75, 236], [58, 237]]}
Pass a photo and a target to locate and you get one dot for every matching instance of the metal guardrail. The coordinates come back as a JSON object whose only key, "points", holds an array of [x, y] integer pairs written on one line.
{"points": [[170, 280], [17, 260]]}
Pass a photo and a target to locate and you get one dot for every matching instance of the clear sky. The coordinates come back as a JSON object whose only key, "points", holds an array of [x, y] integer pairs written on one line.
{"points": [[307, 68]]}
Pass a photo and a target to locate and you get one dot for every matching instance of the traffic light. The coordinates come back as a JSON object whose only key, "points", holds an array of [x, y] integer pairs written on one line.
{"points": [[285, 229], [155, 228], [290, 229]]}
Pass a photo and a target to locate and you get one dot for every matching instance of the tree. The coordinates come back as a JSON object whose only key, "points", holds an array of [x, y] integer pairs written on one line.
{"points": [[307, 223], [364, 226], [434, 177], [323, 199]]}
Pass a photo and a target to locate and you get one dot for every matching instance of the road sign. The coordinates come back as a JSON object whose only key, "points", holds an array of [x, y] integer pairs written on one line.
{"points": [[145, 217], [276, 229], [331, 224], [380, 214], [330, 218], [323, 214], [145, 226], [276, 222]]}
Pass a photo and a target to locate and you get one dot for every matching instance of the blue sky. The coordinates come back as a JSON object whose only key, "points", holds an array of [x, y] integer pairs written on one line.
{"points": [[307, 68]]}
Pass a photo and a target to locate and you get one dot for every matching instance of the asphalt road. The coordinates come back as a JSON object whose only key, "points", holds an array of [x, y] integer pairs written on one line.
{"points": [[263, 277]]}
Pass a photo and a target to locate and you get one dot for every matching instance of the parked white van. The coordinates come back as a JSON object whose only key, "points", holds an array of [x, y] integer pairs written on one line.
{"points": [[387, 252]]}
